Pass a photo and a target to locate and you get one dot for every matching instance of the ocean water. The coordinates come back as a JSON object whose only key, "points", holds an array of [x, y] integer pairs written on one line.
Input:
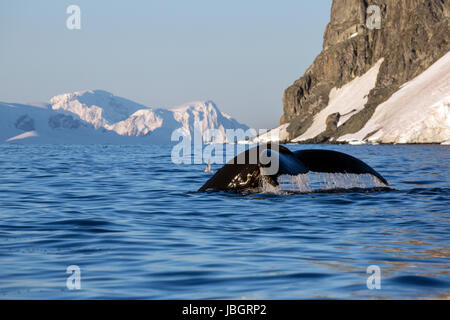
{"points": [[133, 223]]}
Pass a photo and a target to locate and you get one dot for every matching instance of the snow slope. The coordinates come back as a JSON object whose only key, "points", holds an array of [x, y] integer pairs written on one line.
{"points": [[207, 116], [97, 107], [417, 113], [100, 117], [347, 100], [278, 134], [33, 124]]}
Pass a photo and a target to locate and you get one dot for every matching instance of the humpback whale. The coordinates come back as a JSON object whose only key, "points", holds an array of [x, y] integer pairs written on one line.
{"points": [[250, 168]]}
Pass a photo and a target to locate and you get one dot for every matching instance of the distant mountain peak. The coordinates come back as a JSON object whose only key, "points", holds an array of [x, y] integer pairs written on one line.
{"points": [[103, 116], [97, 107]]}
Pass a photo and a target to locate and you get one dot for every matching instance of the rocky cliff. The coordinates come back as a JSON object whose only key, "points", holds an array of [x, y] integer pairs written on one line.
{"points": [[411, 35]]}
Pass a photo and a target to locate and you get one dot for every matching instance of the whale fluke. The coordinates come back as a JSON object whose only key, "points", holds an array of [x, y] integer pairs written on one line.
{"points": [[249, 169], [334, 162]]}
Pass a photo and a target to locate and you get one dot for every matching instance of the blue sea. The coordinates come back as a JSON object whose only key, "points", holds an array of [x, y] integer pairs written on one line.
{"points": [[136, 228]]}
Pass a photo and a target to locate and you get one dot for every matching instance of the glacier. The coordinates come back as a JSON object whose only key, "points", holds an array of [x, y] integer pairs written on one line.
{"points": [[100, 117]]}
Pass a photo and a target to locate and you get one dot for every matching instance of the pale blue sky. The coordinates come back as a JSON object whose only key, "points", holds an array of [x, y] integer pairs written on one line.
{"points": [[241, 54]]}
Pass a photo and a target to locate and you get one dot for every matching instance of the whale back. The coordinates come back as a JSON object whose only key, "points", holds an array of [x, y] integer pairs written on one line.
{"points": [[244, 170]]}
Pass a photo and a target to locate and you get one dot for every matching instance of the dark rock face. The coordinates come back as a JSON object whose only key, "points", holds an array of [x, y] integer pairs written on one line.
{"points": [[413, 35], [25, 123], [63, 121], [332, 121]]}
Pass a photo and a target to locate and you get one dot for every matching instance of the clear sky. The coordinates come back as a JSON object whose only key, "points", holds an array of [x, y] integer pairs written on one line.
{"points": [[241, 54]]}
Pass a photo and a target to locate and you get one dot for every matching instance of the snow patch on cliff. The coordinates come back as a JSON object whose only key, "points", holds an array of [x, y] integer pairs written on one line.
{"points": [[347, 101], [278, 134], [417, 113]]}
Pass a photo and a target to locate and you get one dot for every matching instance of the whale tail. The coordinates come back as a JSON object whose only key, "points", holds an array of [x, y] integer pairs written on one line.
{"points": [[247, 169], [335, 162]]}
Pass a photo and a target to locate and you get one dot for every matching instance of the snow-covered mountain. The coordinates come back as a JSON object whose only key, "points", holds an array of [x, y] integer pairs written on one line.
{"points": [[97, 107], [97, 116]]}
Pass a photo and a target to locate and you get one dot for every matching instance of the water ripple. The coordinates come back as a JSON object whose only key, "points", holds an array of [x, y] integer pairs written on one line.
{"points": [[137, 228]]}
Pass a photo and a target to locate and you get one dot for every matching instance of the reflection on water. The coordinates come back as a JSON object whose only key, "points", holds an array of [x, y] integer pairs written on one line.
{"points": [[136, 227]]}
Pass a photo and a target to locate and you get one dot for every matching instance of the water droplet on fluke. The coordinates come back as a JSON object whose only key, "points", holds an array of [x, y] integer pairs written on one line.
{"points": [[313, 182]]}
